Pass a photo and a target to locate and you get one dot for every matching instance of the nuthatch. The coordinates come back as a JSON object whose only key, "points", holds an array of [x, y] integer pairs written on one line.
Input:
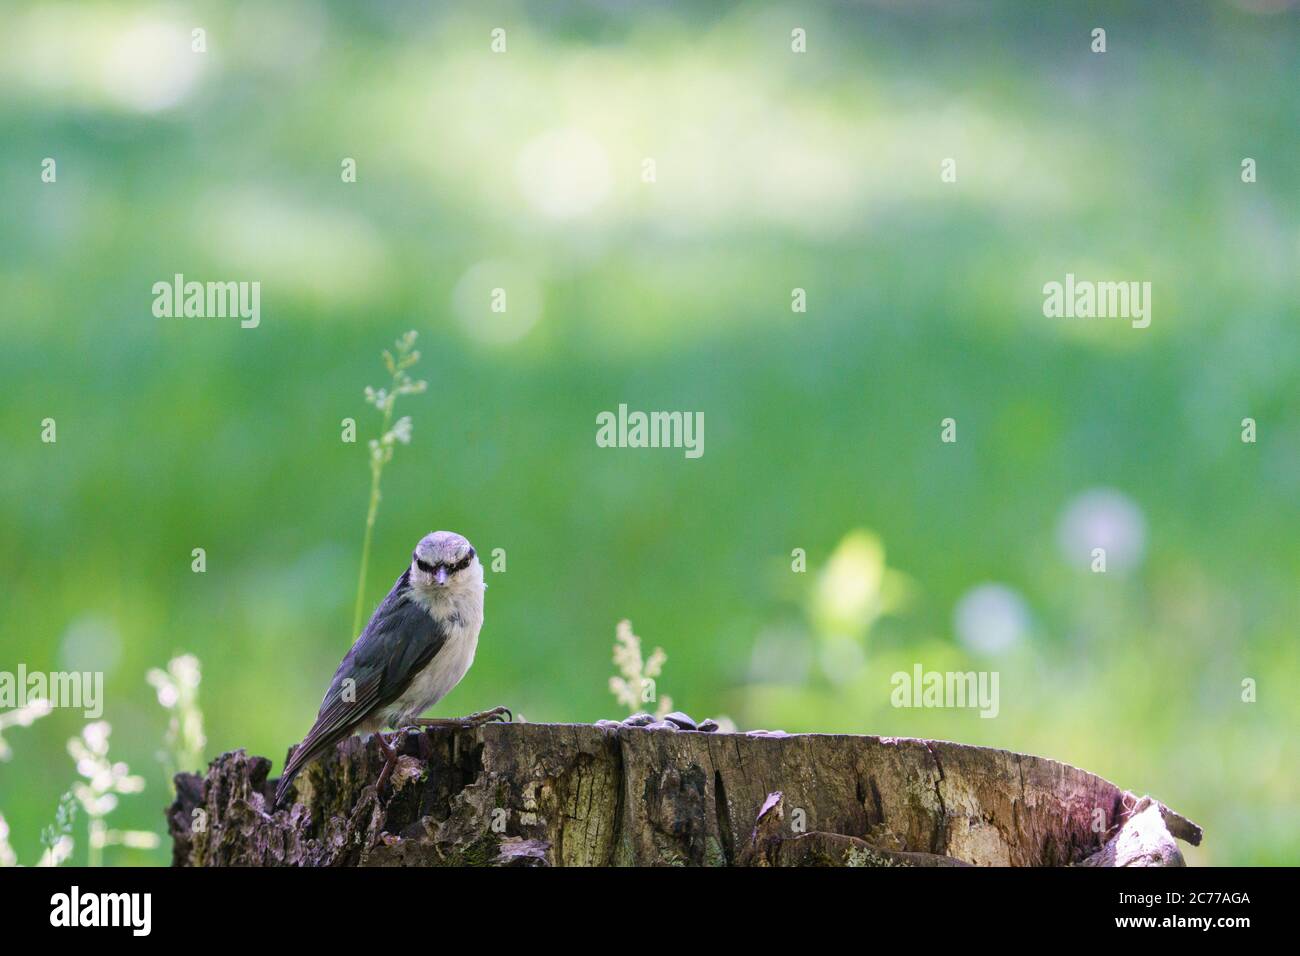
{"points": [[417, 646]]}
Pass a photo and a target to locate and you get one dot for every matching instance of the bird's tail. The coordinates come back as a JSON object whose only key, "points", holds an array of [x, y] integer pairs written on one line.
{"points": [[301, 757]]}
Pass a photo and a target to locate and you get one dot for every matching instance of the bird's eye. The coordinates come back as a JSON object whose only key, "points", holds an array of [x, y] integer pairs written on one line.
{"points": [[424, 566]]}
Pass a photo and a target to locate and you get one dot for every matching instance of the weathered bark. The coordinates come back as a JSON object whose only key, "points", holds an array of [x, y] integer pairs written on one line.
{"points": [[581, 795]]}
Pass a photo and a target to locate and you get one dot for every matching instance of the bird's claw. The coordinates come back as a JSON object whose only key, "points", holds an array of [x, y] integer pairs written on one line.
{"points": [[390, 761], [472, 720], [502, 714]]}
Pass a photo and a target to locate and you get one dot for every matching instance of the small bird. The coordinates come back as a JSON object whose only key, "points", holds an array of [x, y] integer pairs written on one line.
{"points": [[417, 646]]}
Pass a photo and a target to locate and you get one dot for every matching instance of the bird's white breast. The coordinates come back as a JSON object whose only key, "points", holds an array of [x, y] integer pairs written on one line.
{"points": [[461, 615]]}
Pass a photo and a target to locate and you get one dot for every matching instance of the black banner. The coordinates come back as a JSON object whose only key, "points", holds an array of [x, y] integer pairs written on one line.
{"points": [[336, 907]]}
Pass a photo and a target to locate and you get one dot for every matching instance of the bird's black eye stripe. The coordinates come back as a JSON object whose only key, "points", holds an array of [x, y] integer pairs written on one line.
{"points": [[428, 568]]}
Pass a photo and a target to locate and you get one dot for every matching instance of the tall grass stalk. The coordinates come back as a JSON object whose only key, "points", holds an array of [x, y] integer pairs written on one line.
{"points": [[104, 779], [634, 685], [178, 692], [381, 448]]}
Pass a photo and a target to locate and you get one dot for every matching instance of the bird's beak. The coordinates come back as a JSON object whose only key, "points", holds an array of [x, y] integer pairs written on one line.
{"points": [[440, 576]]}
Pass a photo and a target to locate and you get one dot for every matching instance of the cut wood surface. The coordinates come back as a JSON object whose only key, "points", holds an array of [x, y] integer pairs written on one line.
{"points": [[586, 795]]}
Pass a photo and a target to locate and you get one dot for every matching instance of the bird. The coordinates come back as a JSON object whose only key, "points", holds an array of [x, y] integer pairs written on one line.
{"points": [[416, 647]]}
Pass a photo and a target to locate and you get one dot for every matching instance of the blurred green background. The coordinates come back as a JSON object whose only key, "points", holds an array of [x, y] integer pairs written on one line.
{"points": [[774, 170]]}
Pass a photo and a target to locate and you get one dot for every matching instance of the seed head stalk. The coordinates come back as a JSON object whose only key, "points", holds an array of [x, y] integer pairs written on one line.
{"points": [[381, 449]]}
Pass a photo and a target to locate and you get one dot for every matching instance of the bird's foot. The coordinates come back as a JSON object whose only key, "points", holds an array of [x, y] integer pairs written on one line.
{"points": [[472, 720], [422, 742], [502, 714], [390, 761]]}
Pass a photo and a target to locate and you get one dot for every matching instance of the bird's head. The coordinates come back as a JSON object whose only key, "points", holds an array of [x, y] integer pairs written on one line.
{"points": [[445, 561]]}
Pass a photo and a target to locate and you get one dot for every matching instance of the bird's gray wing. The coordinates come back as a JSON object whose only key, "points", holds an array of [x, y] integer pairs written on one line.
{"points": [[400, 641]]}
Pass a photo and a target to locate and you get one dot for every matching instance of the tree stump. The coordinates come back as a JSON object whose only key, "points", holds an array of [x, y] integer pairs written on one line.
{"points": [[584, 795]]}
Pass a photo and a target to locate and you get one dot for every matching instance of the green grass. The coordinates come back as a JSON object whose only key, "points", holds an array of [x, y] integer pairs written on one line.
{"points": [[774, 172]]}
